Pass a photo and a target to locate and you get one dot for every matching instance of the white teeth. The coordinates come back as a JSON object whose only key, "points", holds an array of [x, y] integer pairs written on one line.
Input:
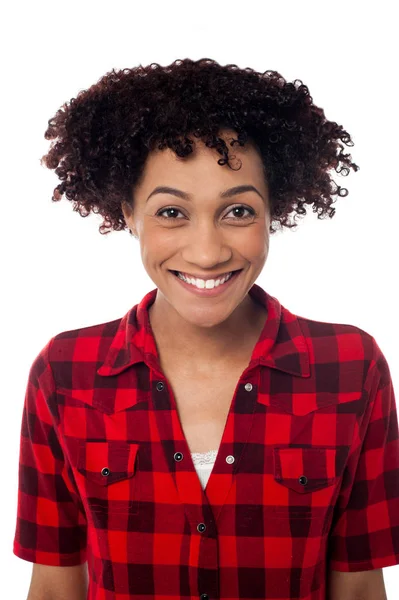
{"points": [[209, 284]]}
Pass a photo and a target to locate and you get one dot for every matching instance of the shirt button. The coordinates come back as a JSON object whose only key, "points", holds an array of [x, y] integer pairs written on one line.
{"points": [[303, 480], [201, 527], [105, 471], [248, 387], [230, 459], [160, 386], [204, 597], [178, 456]]}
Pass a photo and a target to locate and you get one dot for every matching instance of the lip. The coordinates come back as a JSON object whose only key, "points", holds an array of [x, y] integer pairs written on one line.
{"points": [[208, 292]]}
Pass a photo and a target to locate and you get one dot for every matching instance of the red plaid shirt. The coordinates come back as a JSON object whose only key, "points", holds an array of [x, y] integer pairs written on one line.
{"points": [[306, 478]]}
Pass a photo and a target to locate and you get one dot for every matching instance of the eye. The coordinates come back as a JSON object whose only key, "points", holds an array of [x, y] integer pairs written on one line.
{"points": [[242, 207], [168, 209], [238, 207]]}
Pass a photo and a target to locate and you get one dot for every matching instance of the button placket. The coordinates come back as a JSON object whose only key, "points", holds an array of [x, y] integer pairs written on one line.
{"points": [[161, 388]]}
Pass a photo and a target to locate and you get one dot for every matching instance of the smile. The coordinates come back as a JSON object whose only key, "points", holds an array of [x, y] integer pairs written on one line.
{"points": [[204, 283], [209, 287]]}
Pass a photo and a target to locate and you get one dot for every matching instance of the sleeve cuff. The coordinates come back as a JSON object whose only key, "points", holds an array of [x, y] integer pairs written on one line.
{"points": [[49, 558], [364, 565]]}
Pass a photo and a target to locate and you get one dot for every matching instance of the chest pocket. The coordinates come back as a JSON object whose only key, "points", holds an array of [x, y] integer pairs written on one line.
{"points": [[108, 476], [307, 481]]}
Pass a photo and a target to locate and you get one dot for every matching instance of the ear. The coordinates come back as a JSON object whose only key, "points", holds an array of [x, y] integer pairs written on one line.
{"points": [[127, 211]]}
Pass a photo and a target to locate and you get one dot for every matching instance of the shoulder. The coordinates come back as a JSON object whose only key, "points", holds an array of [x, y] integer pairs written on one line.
{"points": [[348, 340]]}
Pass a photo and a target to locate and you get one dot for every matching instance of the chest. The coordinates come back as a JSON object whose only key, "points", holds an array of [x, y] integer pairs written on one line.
{"points": [[203, 404]]}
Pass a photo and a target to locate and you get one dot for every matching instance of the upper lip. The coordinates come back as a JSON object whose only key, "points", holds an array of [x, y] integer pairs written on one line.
{"points": [[206, 276]]}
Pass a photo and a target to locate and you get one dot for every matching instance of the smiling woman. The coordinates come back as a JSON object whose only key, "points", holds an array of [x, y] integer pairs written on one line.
{"points": [[210, 443], [205, 235]]}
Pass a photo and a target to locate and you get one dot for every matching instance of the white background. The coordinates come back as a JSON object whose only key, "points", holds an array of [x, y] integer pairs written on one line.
{"points": [[59, 273]]}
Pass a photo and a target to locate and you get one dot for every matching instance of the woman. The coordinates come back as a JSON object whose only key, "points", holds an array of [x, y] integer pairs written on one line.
{"points": [[210, 443]]}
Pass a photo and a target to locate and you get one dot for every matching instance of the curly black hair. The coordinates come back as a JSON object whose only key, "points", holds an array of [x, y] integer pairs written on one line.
{"points": [[102, 138]]}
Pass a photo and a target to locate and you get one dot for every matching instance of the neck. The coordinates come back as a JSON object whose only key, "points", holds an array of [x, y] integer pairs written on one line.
{"points": [[225, 342]]}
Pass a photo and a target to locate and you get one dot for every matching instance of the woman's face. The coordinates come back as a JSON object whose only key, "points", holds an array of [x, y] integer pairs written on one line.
{"points": [[204, 235]]}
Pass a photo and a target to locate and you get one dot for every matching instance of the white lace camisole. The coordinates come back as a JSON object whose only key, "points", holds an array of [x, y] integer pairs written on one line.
{"points": [[203, 463]]}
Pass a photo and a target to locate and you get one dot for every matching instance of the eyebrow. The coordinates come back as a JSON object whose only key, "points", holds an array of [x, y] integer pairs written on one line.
{"points": [[234, 191]]}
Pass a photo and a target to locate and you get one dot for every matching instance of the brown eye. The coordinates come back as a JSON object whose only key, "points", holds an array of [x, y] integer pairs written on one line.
{"points": [[242, 207], [239, 207], [170, 208]]}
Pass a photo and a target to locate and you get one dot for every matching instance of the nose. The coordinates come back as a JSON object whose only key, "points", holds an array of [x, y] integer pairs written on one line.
{"points": [[206, 247]]}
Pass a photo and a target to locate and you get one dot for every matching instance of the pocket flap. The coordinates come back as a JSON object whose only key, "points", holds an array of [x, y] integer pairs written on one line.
{"points": [[306, 403], [305, 469], [107, 462]]}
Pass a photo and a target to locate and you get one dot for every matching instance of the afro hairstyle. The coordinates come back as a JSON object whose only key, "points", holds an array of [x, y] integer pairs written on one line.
{"points": [[101, 139]]}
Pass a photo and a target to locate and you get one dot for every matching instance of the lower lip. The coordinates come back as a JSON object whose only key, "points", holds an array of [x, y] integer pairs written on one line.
{"points": [[208, 292]]}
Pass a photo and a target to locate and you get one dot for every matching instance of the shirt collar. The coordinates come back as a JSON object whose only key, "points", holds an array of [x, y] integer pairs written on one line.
{"points": [[281, 345]]}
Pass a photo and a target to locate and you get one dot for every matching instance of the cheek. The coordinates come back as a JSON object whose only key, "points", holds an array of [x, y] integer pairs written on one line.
{"points": [[158, 246], [256, 248], [154, 251]]}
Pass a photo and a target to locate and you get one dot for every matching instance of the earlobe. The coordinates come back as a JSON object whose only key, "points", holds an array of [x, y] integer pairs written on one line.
{"points": [[127, 213], [127, 210]]}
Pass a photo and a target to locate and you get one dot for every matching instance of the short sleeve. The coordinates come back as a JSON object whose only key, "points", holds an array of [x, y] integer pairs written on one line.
{"points": [[50, 527], [365, 526]]}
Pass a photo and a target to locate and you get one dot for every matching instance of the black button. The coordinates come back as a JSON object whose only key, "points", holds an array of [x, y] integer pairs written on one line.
{"points": [[105, 471], [160, 386], [178, 456], [303, 480], [204, 597], [201, 527]]}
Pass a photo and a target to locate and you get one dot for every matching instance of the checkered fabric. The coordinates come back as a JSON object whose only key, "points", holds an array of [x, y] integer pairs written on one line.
{"points": [[306, 477]]}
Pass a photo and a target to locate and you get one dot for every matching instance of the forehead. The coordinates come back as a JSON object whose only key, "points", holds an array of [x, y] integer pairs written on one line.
{"points": [[201, 166]]}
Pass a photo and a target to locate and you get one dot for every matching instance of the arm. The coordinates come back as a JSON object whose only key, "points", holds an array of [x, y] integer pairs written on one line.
{"points": [[51, 525], [58, 583], [364, 532], [356, 585]]}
